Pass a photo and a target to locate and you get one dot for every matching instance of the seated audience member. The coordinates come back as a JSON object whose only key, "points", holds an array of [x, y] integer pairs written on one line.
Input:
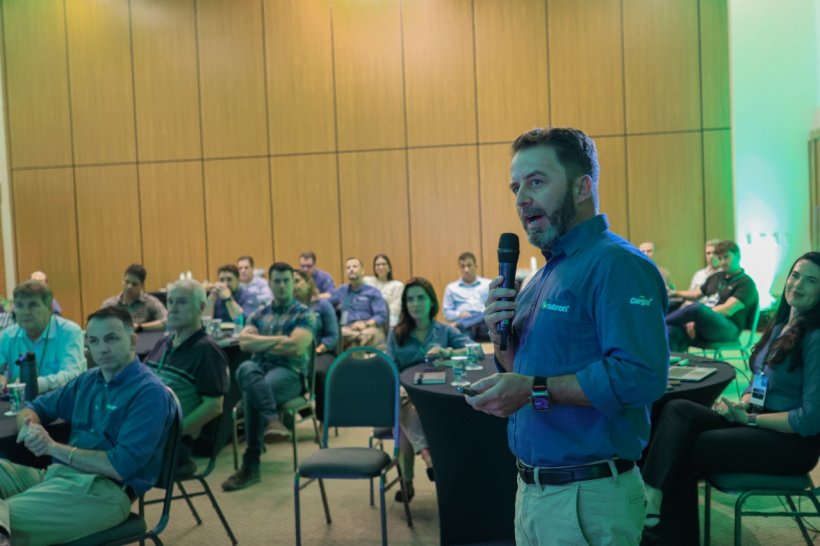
{"points": [[736, 299], [391, 289], [648, 250], [416, 337], [111, 458], [192, 365], [464, 299], [326, 332], [146, 311], [40, 276], [781, 436], [712, 267], [362, 309], [324, 282], [228, 301], [57, 343], [257, 286], [280, 336]]}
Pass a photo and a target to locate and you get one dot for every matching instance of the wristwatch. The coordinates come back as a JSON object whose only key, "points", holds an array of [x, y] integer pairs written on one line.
{"points": [[540, 396], [752, 422]]}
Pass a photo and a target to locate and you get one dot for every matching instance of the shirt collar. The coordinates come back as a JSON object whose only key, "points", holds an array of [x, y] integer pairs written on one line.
{"points": [[50, 330], [190, 340], [141, 298], [469, 284], [578, 237], [282, 308], [123, 376]]}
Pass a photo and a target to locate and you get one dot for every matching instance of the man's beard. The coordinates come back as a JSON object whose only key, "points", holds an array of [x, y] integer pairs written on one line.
{"points": [[559, 222]]}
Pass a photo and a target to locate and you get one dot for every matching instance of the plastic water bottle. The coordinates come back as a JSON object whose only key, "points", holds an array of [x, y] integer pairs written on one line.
{"points": [[239, 322]]}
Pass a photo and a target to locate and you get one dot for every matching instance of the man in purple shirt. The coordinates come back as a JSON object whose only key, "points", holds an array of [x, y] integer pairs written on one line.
{"points": [[363, 310], [324, 282]]}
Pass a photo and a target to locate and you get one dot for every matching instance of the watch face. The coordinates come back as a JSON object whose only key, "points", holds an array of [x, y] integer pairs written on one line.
{"points": [[540, 403]]}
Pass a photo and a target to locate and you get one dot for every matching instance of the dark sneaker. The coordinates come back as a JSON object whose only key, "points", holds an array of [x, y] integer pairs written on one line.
{"points": [[185, 469], [241, 479], [411, 492], [276, 432]]}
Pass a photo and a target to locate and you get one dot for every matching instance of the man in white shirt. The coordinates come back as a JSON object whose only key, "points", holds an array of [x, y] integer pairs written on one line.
{"points": [[712, 266], [464, 299]]}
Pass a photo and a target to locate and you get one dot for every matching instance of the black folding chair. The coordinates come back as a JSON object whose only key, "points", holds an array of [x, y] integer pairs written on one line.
{"points": [[362, 390], [134, 528]]}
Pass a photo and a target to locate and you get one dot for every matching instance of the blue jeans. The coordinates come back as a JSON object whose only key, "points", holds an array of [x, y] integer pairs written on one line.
{"points": [[709, 326], [264, 386]]}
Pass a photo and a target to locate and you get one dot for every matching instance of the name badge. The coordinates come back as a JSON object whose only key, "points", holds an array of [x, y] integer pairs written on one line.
{"points": [[760, 384]]}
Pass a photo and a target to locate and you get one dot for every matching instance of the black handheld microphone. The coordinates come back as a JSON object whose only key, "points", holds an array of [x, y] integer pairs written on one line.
{"points": [[507, 261]]}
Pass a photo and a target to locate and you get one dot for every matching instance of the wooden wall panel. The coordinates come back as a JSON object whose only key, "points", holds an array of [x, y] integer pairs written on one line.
{"points": [[36, 83], [173, 221], [373, 207], [665, 205], [511, 68], [369, 89], [612, 184], [102, 102], [306, 210], [444, 211], [439, 75], [232, 78], [586, 67], [719, 203], [714, 51], [661, 65], [237, 211], [108, 223], [165, 80], [45, 229], [498, 211], [300, 85]]}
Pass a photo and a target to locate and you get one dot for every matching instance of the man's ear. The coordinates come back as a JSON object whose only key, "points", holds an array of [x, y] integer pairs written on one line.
{"points": [[582, 189]]}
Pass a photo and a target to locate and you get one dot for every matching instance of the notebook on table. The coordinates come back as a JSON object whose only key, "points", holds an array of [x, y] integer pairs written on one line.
{"points": [[686, 373]]}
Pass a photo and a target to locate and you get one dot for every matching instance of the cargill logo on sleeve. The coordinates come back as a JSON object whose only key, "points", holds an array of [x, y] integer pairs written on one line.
{"points": [[643, 301]]}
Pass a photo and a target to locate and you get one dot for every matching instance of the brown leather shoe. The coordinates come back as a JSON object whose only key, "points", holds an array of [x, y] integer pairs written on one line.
{"points": [[276, 432]]}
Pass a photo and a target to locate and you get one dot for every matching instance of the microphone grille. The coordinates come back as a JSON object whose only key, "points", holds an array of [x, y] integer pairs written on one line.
{"points": [[508, 242]]}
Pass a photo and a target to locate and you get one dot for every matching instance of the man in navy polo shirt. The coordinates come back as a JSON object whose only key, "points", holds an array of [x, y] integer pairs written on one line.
{"points": [[119, 414], [228, 301], [586, 358]]}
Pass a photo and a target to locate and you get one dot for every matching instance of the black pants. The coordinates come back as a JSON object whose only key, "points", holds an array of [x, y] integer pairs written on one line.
{"points": [[692, 440]]}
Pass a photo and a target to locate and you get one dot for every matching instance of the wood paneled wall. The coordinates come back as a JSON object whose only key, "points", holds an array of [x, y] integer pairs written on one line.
{"points": [[183, 133]]}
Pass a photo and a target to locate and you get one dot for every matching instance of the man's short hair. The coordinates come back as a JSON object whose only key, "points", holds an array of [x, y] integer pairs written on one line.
{"points": [[308, 255], [34, 289], [196, 290], [138, 271], [361, 263], [230, 268], [464, 255], [575, 151], [248, 258], [115, 312], [712, 242], [279, 266], [727, 246]]}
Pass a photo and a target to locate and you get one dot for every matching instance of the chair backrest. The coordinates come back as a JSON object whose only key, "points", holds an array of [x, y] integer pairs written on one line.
{"points": [[310, 372], [222, 432], [751, 323], [167, 475], [361, 390]]}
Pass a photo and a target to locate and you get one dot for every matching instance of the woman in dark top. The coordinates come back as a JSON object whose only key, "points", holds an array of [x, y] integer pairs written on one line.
{"points": [[418, 336], [326, 334], [781, 436]]}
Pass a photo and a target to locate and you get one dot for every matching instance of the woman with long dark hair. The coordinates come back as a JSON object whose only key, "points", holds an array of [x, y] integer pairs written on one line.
{"points": [[779, 434], [416, 337]]}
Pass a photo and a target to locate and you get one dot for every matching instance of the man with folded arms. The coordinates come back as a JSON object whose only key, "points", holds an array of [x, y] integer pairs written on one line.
{"points": [[146, 311], [362, 308], [256, 286], [57, 343], [192, 365], [280, 336], [119, 413], [586, 358]]}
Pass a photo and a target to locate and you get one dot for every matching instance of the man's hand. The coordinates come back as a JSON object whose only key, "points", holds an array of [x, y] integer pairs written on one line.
{"points": [[321, 348], [224, 291], [439, 352], [36, 439], [497, 309], [690, 330], [465, 314], [502, 394], [359, 325]]}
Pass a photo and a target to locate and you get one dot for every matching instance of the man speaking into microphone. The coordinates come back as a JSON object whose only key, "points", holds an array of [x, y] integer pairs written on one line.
{"points": [[587, 354]]}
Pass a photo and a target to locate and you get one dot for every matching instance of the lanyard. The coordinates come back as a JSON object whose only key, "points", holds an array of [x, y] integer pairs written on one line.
{"points": [[168, 347]]}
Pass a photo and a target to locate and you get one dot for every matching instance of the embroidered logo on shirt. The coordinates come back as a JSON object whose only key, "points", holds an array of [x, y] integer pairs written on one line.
{"points": [[643, 301], [552, 307], [110, 407]]}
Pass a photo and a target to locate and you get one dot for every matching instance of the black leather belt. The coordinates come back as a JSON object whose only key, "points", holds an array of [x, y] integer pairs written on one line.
{"points": [[570, 474]]}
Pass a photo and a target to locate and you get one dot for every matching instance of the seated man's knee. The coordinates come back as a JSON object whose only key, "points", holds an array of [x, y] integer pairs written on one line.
{"points": [[245, 370]]}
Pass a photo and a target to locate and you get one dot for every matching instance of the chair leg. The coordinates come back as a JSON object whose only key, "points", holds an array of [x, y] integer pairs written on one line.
{"points": [[799, 521], [383, 511], [315, 428], [235, 438], [738, 515], [707, 513], [189, 503], [403, 487], [293, 441], [218, 510], [296, 509], [324, 501]]}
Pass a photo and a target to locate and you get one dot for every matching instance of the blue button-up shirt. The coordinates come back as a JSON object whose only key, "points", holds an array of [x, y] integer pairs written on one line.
{"points": [[127, 418], [259, 289], [364, 303], [596, 310], [324, 282], [461, 297]]}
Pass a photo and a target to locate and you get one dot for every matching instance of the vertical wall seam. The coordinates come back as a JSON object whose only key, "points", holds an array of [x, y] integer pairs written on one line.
{"points": [[136, 130], [702, 124], [628, 233], [268, 158], [12, 237], [336, 153], [406, 139], [201, 136], [549, 64], [484, 259]]}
